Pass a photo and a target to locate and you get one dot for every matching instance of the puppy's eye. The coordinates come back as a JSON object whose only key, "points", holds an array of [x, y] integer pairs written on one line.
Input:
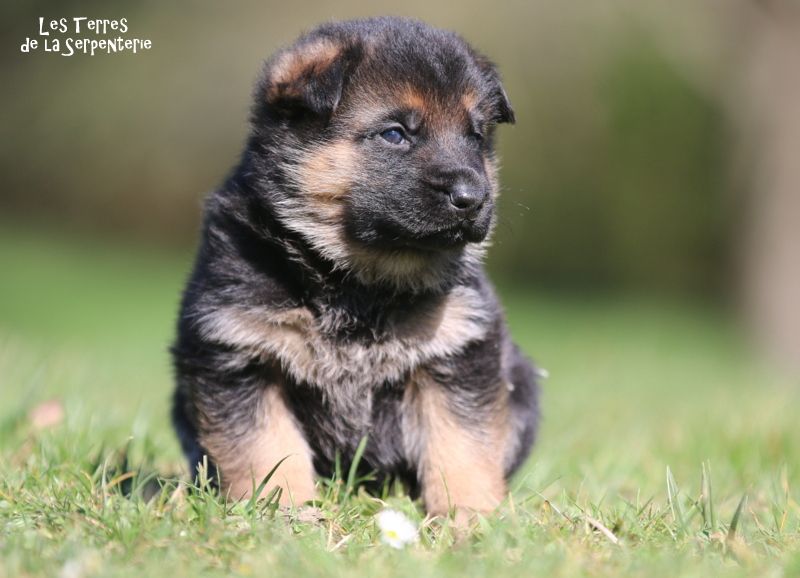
{"points": [[476, 136], [393, 136]]}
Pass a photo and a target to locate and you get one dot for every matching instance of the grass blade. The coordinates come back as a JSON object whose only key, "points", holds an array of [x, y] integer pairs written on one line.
{"points": [[351, 475], [257, 490], [735, 521], [600, 527], [674, 502], [707, 500]]}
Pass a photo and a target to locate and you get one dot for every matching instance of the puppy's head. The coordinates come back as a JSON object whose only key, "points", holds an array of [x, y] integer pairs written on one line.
{"points": [[382, 131]]}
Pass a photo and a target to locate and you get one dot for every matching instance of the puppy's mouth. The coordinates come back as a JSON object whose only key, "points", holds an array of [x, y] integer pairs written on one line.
{"points": [[452, 236]]}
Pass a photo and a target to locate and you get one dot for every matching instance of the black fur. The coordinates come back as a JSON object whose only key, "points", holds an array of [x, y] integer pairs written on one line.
{"points": [[401, 249]]}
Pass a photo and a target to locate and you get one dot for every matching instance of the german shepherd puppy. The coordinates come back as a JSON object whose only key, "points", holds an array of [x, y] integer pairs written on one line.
{"points": [[338, 292]]}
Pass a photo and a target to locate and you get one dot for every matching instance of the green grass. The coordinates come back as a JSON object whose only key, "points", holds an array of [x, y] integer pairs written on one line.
{"points": [[658, 425]]}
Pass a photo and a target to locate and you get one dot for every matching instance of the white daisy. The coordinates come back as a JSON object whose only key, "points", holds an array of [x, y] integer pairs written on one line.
{"points": [[397, 530]]}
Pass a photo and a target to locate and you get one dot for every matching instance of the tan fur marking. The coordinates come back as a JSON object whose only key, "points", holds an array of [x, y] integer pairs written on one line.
{"points": [[327, 172], [323, 175], [412, 98], [461, 468], [288, 72], [469, 101], [438, 115], [249, 460]]}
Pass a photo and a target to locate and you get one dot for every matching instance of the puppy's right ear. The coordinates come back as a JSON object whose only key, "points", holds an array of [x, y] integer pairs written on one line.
{"points": [[501, 107], [308, 77]]}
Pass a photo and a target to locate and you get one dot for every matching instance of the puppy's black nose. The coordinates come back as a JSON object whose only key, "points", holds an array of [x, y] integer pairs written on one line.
{"points": [[465, 196]]}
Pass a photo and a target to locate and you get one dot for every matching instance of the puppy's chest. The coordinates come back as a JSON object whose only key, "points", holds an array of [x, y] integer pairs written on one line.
{"points": [[322, 350]]}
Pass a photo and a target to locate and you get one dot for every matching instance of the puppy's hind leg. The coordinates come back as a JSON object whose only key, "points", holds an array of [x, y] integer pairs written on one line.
{"points": [[523, 399]]}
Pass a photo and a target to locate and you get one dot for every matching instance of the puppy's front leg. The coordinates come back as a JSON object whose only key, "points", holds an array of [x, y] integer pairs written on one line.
{"points": [[461, 457], [247, 433]]}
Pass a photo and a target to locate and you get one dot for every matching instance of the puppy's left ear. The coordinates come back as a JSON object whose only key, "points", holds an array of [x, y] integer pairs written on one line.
{"points": [[308, 77], [501, 107]]}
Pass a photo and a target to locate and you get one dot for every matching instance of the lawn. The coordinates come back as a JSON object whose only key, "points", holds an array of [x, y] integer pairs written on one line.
{"points": [[666, 448]]}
